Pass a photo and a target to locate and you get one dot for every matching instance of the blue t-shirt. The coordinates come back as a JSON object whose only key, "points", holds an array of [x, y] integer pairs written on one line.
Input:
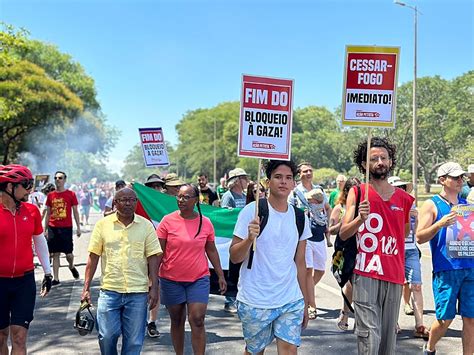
{"points": [[440, 258]]}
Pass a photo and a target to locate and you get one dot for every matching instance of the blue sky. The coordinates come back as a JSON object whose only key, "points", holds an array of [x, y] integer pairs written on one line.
{"points": [[155, 60]]}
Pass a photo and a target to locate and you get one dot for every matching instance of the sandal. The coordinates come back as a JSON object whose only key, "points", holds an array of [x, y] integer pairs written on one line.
{"points": [[342, 321], [312, 313], [421, 332]]}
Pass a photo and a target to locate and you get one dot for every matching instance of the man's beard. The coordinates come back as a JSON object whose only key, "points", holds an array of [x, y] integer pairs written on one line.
{"points": [[379, 174]]}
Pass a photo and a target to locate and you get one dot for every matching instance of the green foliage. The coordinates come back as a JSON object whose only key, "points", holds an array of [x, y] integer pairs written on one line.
{"points": [[134, 166], [48, 102], [325, 176], [30, 98], [444, 120]]}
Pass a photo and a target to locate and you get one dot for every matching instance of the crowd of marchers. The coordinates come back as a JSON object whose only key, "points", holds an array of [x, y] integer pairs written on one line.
{"points": [[286, 229]]}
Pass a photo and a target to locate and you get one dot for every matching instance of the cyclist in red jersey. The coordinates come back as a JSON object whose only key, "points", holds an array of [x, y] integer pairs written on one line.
{"points": [[20, 223]]}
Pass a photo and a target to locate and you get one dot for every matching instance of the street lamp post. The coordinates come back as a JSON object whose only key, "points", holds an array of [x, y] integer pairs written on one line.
{"points": [[414, 128], [215, 155]]}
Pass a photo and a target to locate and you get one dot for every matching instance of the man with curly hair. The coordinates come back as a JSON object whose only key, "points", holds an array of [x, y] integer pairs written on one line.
{"points": [[381, 225]]}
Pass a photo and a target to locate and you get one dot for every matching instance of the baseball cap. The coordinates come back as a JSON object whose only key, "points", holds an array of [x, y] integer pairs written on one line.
{"points": [[470, 169], [396, 181], [451, 169]]}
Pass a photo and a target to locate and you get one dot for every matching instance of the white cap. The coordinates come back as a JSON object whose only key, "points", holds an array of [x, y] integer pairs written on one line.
{"points": [[396, 181], [451, 169], [470, 169]]}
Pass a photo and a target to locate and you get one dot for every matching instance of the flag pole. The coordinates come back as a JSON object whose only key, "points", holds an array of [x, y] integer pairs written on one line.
{"points": [[254, 246], [367, 163]]}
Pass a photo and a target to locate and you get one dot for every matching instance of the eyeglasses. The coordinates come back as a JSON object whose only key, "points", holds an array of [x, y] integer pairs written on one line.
{"points": [[376, 159], [58, 177], [185, 198], [27, 184], [123, 201], [460, 177]]}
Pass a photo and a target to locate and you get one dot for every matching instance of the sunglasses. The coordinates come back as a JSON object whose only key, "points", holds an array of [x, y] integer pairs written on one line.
{"points": [[58, 177], [27, 184]]}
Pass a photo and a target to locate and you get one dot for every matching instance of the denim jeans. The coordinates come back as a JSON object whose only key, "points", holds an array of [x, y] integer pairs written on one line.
{"points": [[121, 313]]}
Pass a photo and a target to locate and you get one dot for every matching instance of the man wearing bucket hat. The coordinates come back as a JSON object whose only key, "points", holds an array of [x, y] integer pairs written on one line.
{"points": [[172, 184], [237, 184], [469, 184], [155, 182], [413, 282], [453, 277]]}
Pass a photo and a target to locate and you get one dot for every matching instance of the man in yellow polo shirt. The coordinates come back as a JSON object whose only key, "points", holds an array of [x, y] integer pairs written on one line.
{"points": [[130, 253]]}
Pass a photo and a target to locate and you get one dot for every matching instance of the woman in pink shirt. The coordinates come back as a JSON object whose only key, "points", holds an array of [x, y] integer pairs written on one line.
{"points": [[186, 237]]}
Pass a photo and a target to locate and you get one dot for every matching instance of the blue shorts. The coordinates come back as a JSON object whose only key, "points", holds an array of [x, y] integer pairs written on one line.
{"points": [[453, 288], [261, 325], [413, 267], [175, 292]]}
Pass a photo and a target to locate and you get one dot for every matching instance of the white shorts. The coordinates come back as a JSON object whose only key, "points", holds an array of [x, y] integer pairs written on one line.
{"points": [[316, 255]]}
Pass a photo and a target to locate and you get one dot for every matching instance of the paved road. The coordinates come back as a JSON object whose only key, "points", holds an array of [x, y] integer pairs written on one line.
{"points": [[52, 331]]}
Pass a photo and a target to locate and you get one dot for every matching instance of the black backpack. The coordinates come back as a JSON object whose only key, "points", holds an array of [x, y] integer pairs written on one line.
{"points": [[232, 276], [344, 256]]}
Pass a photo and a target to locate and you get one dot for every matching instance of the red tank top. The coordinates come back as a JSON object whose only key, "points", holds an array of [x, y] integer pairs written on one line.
{"points": [[381, 239], [16, 232]]}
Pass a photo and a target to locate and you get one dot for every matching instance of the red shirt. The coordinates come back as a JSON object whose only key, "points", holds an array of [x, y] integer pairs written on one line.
{"points": [[381, 239], [61, 208], [184, 258], [16, 233]]}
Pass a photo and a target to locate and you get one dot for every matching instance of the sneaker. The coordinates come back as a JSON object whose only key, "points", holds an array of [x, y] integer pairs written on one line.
{"points": [[421, 332], [55, 283], [427, 352], [230, 308], [152, 331], [408, 309], [75, 273]]}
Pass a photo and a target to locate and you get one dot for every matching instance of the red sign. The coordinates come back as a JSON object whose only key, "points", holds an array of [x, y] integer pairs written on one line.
{"points": [[265, 118]]}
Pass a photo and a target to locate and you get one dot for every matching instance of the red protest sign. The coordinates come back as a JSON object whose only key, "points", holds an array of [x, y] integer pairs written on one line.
{"points": [[265, 118], [370, 84]]}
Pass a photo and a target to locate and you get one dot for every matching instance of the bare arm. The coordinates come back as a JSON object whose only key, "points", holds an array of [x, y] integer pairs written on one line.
{"points": [[334, 220], [77, 219], [108, 211], [349, 225], [46, 220], [153, 265], [426, 228], [213, 256], [239, 248], [328, 212], [301, 274], [91, 267]]}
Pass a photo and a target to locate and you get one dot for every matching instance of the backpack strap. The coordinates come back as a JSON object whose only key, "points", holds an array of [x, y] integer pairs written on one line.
{"points": [[263, 215], [299, 217], [356, 212]]}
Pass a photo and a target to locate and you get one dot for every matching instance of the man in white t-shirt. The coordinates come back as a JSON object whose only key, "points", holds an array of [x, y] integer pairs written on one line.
{"points": [[272, 295]]}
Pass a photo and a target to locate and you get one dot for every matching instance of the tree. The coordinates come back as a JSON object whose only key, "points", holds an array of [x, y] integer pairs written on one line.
{"points": [[30, 98], [444, 120], [134, 167], [196, 140], [47, 102]]}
